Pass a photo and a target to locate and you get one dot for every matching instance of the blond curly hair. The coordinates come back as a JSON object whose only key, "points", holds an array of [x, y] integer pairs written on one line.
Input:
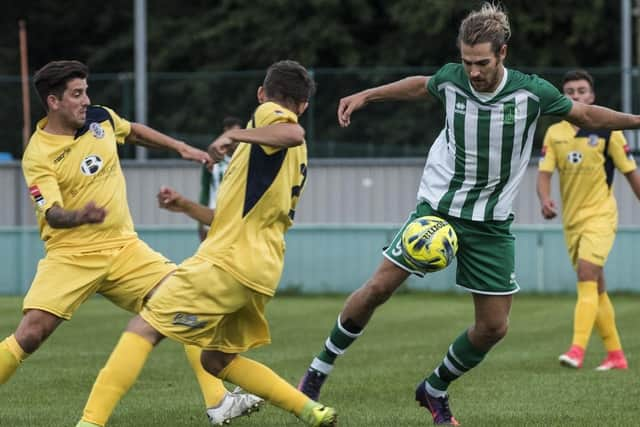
{"points": [[489, 24]]}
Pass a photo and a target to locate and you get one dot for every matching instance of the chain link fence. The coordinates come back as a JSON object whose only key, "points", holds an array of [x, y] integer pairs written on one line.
{"points": [[191, 106]]}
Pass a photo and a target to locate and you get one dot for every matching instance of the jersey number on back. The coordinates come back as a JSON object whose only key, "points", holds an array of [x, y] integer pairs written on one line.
{"points": [[296, 190]]}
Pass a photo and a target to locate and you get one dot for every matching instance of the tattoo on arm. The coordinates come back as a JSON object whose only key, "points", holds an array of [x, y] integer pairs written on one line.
{"points": [[58, 217]]}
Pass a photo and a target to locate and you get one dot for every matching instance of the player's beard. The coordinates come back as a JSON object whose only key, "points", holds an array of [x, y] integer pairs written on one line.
{"points": [[491, 81], [78, 120]]}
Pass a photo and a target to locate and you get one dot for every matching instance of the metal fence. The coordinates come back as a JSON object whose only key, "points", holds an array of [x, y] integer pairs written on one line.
{"points": [[338, 191], [192, 105]]}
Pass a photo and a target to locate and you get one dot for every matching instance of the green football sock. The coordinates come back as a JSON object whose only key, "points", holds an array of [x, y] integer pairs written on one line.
{"points": [[341, 337], [461, 357]]}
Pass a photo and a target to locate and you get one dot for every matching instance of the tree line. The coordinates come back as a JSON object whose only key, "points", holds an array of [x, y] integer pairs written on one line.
{"points": [[352, 44]]}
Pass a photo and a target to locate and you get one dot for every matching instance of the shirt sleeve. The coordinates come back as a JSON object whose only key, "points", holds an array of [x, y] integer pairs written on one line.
{"points": [[548, 159], [121, 127], [552, 102], [620, 152], [436, 80], [42, 183], [269, 114]]}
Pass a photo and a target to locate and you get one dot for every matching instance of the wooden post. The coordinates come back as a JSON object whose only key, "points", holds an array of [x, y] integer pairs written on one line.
{"points": [[24, 77]]}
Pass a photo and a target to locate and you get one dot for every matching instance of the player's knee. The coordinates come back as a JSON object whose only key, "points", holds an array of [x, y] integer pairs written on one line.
{"points": [[34, 329], [587, 275], [587, 271], [139, 326], [492, 332], [214, 362]]}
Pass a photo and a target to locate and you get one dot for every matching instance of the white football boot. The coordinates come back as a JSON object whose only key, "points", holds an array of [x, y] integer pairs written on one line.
{"points": [[234, 404]]}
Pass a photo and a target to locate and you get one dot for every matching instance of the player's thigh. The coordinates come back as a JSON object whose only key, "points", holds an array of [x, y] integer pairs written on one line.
{"points": [[64, 281], [596, 242], [393, 252], [486, 257], [136, 269], [492, 311], [572, 240], [204, 305]]}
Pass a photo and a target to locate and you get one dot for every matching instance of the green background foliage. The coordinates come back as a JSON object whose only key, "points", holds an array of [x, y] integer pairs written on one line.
{"points": [[193, 47]]}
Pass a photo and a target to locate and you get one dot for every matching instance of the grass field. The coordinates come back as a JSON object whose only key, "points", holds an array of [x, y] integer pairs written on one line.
{"points": [[519, 384]]}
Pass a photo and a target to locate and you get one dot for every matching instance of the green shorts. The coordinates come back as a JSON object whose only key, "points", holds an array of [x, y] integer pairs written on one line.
{"points": [[485, 259]]}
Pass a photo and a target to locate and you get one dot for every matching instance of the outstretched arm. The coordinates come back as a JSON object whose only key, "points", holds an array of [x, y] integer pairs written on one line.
{"points": [[634, 181], [547, 204], [151, 138], [407, 89], [597, 117], [173, 201], [280, 135]]}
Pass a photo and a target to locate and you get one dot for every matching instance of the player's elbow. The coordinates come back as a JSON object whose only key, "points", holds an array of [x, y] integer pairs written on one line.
{"points": [[295, 135]]}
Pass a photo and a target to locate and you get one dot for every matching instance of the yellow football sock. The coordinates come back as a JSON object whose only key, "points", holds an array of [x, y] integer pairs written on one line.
{"points": [[258, 379], [606, 323], [11, 355], [116, 378], [585, 312], [212, 388]]}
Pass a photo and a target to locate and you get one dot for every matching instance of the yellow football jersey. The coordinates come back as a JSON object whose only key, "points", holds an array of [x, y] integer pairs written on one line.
{"points": [[71, 171], [255, 207], [585, 160]]}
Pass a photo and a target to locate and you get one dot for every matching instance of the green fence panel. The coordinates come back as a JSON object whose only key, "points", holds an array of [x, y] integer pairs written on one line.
{"points": [[339, 259], [20, 251]]}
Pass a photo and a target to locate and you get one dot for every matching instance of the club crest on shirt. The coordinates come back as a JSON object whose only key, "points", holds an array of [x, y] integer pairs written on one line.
{"points": [[593, 140], [96, 130], [36, 195], [509, 114]]}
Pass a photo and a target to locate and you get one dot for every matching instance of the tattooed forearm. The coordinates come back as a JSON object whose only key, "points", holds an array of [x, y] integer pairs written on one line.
{"points": [[58, 217]]}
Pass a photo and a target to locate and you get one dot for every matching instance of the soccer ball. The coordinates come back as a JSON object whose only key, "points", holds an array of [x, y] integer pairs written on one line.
{"points": [[429, 243]]}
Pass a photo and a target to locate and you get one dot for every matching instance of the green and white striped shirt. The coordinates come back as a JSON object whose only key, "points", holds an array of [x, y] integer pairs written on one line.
{"points": [[475, 166]]}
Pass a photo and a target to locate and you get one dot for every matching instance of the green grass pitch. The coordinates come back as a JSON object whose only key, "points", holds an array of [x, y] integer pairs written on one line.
{"points": [[519, 384]]}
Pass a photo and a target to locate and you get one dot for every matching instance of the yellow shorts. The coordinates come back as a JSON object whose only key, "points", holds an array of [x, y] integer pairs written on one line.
{"points": [[204, 305], [123, 275], [590, 241]]}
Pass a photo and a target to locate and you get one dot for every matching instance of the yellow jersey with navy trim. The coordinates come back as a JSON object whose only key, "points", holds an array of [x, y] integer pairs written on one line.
{"points": [[256, 205], [585, 160], [71, 171]]}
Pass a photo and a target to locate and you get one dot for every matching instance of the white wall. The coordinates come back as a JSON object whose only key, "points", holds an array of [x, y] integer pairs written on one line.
{"points": [[338, 191]]}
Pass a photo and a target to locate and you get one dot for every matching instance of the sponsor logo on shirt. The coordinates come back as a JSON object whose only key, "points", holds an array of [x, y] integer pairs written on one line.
{"points": [[36, 195], [593, 140], [189, 320], [574, 157], [91, 165], [460, 107]]}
